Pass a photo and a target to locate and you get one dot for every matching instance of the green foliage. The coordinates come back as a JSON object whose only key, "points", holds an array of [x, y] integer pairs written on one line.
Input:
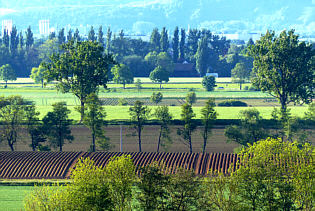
{"points": [[240, 73], [155, 40], [175, 45], [94, 120], [208, 115], [57, 125], [12, 115], [7, 73], [122, 75], [208, 82], [276, 175], [158, 75], [34, 127], [47, 49], [138, 85], [120, 174], [164, 116], [138, 115], [184, 189], [80, 69], [191, 98], [89, 190], [202, 56], [38, 75], [153, 188], [232, 103], [310, 114], [137, 65], [164, 40], [182, 44], [122, 102], [156, 97], [165, 61], [249, 131], [187, 115], [283, 68], [218, 192]]}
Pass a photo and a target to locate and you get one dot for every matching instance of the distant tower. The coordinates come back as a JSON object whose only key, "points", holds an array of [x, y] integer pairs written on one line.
{"points": [[44, 27], [7, 25]]}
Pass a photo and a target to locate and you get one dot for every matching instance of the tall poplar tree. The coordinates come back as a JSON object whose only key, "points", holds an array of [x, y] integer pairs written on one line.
{"points": [[164, 40], [182, 44], [76, 35], [202, 56], [14, 40], [108, 40], [155, 40], [175, 45], [61, 36], [69, 35], [91, 35], [100, 35]]}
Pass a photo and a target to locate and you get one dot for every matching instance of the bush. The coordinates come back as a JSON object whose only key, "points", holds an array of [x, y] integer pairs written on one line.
{"points": [[122, 102], [208, 82], [246, 88], [228, 103]]}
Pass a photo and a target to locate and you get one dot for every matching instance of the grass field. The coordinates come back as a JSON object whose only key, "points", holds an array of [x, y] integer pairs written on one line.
{"points": [[11, 197], [122, 112]]}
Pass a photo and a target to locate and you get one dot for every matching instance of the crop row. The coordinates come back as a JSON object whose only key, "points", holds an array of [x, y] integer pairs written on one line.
{"points": [[57, 165]]}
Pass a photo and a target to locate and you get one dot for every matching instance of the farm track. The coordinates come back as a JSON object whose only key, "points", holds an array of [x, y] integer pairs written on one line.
{"points": [[58, 165]]}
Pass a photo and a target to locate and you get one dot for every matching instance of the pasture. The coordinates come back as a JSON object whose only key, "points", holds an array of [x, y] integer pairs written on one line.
{"points": [[11, 197]]}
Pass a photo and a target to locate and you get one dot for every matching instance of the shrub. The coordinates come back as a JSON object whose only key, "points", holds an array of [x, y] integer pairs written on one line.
{"points": [[228, 103], [122, 102], [208, 82]]}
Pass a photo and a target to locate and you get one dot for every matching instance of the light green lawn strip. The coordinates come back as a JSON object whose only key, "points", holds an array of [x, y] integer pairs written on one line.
{"points": [[11, 197], [122, 112]]}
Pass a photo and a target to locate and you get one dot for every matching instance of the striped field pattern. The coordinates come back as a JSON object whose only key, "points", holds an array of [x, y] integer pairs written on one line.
{"points": [[58, 165]]}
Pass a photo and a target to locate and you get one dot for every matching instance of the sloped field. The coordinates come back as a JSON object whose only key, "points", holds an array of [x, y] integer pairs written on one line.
{"points": [[58, 165]]}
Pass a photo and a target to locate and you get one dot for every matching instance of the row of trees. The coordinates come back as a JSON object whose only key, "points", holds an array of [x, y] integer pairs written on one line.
{"points": [[270, 175], [24, 51], [55, 125]]}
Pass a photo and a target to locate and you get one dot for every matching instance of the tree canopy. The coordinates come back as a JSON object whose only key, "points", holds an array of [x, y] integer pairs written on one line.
{"points": [[283, 67], [80, 69]]}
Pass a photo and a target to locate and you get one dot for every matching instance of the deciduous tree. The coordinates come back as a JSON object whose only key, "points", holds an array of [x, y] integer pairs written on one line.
{"points": [[164, 116], [189, 126], [208, 82], [7, 73], [122, 75], [57, 125], [38, 75], [12, 116], [208, 115], [158, 75], [94, 120], [80, 69], [249, 131], [283, 68], [138, 115]]}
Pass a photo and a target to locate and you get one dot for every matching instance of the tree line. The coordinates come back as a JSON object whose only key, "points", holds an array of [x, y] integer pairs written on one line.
{"points": [[208, 52], [270, 175]]}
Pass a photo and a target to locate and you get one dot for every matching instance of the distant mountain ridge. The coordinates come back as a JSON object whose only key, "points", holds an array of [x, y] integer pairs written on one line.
{"points": [[140, 16]]}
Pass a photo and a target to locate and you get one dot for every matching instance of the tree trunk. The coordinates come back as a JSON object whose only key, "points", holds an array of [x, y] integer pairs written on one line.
{"points": [[93, 142], [42, 83], [124, 85], [190, 146], [240, 86], [82, 111], [139, 138], [159, 142], [204, 143], [160, 85], [11, 146]]}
